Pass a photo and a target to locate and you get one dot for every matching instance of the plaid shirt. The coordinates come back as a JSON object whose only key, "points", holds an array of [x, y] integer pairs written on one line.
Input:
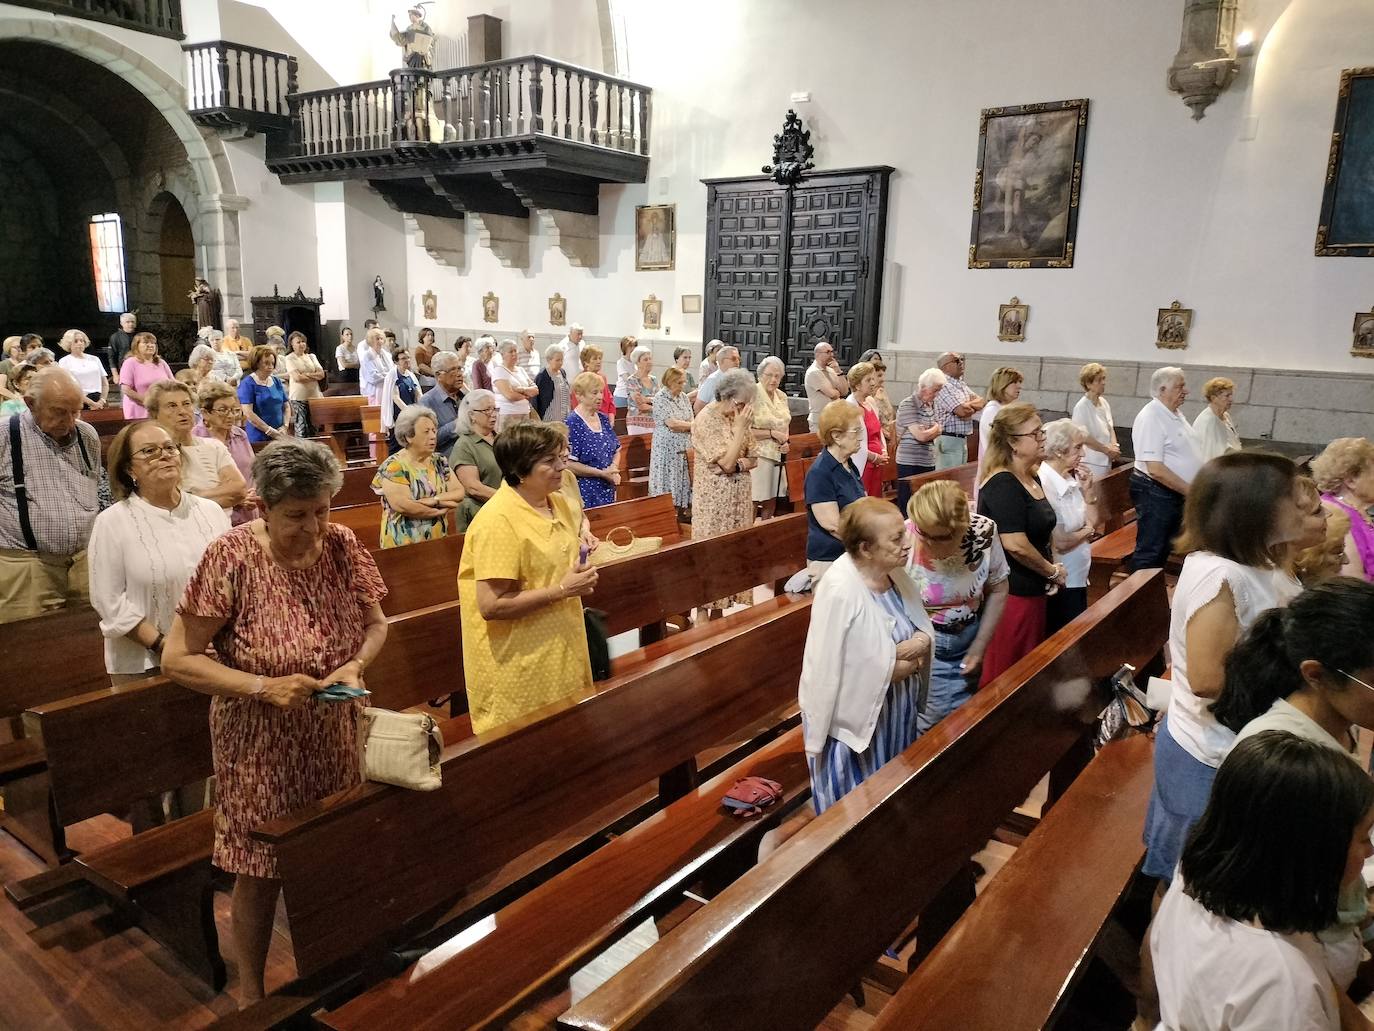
{"points": [[63, 487], [951, 396]]}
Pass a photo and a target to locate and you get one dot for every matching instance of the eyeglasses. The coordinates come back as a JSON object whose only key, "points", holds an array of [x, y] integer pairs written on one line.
{"points": [[942, 539], [1354, 678], [222, 410], [149, 453], [1037, 434], [482, 411]]}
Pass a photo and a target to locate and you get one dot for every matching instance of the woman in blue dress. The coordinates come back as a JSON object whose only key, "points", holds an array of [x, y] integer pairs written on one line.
{"points": [[867, 658], [592, 444], [263, 397]]}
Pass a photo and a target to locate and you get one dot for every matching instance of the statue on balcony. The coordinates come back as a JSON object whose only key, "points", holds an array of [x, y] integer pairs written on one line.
{"points": [[206, 302], [416, 40]]}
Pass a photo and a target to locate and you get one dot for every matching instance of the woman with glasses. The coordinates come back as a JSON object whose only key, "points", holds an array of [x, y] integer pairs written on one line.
{"points": [[473, 457], [1011, 496], [207, 469], [417, 488], [221, 415], [832, 485], [145, 547], [958, 564]]}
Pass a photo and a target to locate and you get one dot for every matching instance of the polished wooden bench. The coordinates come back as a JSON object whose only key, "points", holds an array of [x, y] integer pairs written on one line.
{"points": [[844, 888], [1051, 901]]}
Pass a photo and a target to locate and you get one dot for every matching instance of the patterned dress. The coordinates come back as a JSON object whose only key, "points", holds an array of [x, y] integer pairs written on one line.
{"points": [[423, 480], [839, 769], [668, 453], [721, 501], [596, 450], [270, 761]]}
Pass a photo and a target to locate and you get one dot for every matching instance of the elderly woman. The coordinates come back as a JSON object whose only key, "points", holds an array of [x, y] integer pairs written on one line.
{"points": [[19, 381], [917, 428], [867, 656], [374, 362], [200, 366], [263, 397], [346, 357], [959, 566], [225, 364], [473, 458], [668, 472], [592, 443], [887, 412], [1345, 474], [276, 747], [722, 486], [708, 360], [772, 418], [140, 371], [1094, 414], [591, 362], [641, 386], [400, 389], [832, 485], [479, 371], [1011, 496], [207, 469], [872, 456], [85, 368], [513, 387], [625, 371], [417, 487], [220, 416], [682, 359], [553, 403], [520, 585], [1072, 493], [1003, 389], [305, 374], [1213, 429], [145, 547], [1312, 536]]}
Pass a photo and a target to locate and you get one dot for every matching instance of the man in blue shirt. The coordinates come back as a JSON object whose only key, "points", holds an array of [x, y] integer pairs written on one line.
{"points": [[445, 396]]}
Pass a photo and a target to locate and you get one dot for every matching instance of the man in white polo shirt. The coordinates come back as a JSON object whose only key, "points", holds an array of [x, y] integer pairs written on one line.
{"points": [[824, 383], [1166, 460]]}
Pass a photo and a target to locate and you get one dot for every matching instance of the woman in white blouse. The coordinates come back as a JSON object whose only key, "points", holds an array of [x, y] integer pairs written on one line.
{"points": [[145, 547], [1213, 431], [512, 386], [85, 368], [1094, 414], [1071, 492]]}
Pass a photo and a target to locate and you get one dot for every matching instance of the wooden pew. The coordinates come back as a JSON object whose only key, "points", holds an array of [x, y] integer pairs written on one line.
{"points": [[847, 885], [1114, 498], [1051, 901], [357, 488], [338, 420]]}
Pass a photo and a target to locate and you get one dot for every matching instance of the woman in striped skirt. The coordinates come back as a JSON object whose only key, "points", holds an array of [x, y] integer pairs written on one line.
{"points": [[867, 658]]}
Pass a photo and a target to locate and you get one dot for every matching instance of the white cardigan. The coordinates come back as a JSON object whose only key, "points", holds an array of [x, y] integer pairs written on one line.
{"points": [[849, 658]]}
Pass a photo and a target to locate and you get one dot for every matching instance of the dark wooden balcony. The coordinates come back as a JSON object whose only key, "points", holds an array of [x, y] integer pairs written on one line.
{"points": [[230, 86], [160, 17], [499, 138]]}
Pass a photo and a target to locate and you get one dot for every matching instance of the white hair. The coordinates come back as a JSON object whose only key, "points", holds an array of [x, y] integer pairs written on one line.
{"points": [[1060, 437], [409, 418], [931, 378], [551, 350], [485, 341], [712, 346], [638, 353], [1165, 377], [464, 421], [735, 385], [769, 362], [443, 361], [576, 327], [200, 351]]}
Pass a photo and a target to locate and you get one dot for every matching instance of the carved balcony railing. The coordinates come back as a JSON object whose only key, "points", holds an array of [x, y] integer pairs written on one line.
{"points": [[230, 85], [160, 17], [486, 112]]}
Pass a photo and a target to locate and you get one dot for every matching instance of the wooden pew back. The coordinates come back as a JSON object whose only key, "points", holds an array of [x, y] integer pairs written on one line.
{"points": [[507, 791], [847, 885], [1114, 498], [357, 488], [28, 656]]}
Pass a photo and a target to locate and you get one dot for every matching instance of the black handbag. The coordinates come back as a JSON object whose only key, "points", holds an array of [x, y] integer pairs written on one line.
{"points": [[598, 643]]}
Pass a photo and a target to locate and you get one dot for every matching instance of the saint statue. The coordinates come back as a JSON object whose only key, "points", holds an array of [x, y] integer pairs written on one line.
{"points": [[378, 295], [416, 40], [206, 302]]}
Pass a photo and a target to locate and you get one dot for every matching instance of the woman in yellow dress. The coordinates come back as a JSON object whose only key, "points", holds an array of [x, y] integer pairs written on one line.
{"points": [[520, 583]]}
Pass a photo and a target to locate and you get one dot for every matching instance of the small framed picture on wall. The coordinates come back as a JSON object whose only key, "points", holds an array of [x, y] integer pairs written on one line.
{"points": [[655, 237]]}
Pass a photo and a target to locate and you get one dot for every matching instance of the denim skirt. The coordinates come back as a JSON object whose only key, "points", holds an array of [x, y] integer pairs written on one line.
{"points": [[1182, 787]]}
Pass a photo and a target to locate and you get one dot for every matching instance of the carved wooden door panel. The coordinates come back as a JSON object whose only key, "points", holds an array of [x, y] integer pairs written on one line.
{"points": [[745, 238]]}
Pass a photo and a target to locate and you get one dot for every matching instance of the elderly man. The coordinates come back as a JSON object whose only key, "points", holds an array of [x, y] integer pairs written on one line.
{"points": [[529, 357], [824, 382], [121, 340], [445, 396], [727, 358], [955, 407], [1166, 460], [571, 346], [49, 497]]}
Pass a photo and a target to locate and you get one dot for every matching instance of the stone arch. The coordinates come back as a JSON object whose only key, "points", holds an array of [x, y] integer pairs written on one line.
{"points": [[211, 204]]}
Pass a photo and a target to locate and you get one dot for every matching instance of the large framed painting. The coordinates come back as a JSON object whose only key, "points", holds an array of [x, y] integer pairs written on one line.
{"points": [[1025, 194], [1346, 226], [655, 237]]}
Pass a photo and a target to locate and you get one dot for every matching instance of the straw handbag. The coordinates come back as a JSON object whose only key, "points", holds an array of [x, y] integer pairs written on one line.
{"points": [[400, 748], [611, 551]]}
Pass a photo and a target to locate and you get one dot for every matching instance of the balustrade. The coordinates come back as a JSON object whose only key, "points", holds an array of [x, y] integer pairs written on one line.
{"points": [[342, 120], [231, 77], [162, 17]]}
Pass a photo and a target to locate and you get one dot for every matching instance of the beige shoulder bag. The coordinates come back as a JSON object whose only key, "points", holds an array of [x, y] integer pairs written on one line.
{"points": [[400, 748]]}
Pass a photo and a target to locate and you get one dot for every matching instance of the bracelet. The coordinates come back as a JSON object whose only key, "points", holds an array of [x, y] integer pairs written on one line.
{"points": [[156, 646], [258, 688]]}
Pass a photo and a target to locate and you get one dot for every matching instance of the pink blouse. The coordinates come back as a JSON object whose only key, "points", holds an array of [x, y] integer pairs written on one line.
{"points": [[140, 376]]}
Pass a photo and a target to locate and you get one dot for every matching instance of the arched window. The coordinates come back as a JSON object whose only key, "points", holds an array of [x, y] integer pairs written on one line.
{"points": [[107, 262]]}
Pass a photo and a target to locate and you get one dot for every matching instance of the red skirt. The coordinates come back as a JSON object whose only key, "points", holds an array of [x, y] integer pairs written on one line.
{"points": [[1021, 629], [873, 473]]}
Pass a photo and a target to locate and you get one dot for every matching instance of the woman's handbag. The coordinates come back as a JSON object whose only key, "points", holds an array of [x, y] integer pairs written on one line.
{"points": [[598, 643], [1127, 713], [751, 796], [400, 748], [611, 551]]}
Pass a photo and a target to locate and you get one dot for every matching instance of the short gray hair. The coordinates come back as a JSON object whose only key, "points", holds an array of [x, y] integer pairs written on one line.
{"points": [[443, 361], [712, 346], [509, 345], [1165, 377], [735, 385], [128, 315], [48, 378], [640, 352], [1060, 437], [551, 350], [931, 378], [768, 363], [41, 356], [70, 336], [485, 341], [576, 327], [527, 333], [464, 421], [200, 351], [288, 469], [726, 348], [407, 420]]}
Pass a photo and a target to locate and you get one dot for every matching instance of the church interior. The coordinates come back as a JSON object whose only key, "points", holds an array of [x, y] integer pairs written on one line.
{"points": [[1002, 199]]}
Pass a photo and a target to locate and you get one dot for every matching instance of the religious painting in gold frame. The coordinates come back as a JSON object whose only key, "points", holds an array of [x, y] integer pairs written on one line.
{"points": [[1362, 338], [1172, 326], [1011, 321], [655, 237]]}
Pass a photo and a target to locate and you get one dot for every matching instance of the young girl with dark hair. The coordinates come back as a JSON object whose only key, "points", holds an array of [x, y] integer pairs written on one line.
{"points": [[1235, 943]]}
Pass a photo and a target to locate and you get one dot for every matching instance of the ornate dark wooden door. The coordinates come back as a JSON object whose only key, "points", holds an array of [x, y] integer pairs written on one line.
{"points": [[828, 253]]}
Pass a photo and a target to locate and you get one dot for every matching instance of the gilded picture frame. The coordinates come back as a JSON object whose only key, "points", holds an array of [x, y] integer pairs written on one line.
{"points": [[1172, 327], [1345, 228], [558, 310], [429, 305], [655, 237], [652, 309], [1027, 185], [491, 307], [1011, 321], [1362, 334]]}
